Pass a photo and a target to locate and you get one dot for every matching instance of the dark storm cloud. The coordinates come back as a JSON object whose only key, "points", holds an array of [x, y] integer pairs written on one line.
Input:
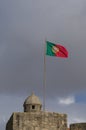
{"points": [[24, 26]]}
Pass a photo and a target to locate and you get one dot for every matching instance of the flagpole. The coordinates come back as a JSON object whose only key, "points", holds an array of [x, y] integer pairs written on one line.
{"points": [[44, 81]]}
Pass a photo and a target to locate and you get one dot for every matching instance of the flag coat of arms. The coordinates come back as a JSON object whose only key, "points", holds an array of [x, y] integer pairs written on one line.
{"points": [[56, 50]]}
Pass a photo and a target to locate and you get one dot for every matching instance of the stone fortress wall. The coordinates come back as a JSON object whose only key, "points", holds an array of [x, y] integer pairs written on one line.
{"points": [[78, 126], [37, 121], [33, 118]]}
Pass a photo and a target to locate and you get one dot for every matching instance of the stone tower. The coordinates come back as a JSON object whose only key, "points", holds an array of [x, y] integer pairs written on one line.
{"points": [[33, 118], [32, 104]]}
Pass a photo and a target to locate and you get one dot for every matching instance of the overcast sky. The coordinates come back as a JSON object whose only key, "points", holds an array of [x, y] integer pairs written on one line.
{"points": [[24, 26]]}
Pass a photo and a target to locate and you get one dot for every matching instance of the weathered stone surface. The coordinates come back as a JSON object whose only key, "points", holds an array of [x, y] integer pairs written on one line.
{"points": [[34, 119], [37, 121]]}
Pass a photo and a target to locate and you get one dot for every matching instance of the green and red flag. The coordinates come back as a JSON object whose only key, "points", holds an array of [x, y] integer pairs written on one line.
{"points": [[56, 50]]}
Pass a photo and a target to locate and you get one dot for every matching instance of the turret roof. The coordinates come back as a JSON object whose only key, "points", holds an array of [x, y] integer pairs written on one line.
{"points": [[33, 99]]}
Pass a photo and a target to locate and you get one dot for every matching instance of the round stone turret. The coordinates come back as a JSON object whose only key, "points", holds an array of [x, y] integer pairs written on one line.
{"points": [[32, 103]]}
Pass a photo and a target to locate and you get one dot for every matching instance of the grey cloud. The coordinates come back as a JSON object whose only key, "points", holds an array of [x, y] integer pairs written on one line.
{"points": [[24, 25], [75, 112]]}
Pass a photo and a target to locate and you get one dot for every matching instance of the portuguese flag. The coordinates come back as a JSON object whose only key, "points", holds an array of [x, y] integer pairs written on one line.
{"points": [[56, 50]]}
